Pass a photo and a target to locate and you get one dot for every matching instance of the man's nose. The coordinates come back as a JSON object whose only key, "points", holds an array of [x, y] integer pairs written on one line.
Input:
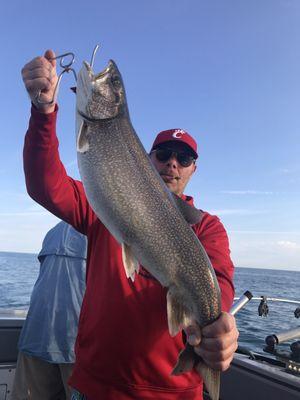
{"points": [[172, 162]]}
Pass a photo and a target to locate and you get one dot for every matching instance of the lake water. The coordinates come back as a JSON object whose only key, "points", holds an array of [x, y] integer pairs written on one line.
{"points": [[19, 271]]}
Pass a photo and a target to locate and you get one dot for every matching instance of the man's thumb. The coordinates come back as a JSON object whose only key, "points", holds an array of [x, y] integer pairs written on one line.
{"points": [[49, 54], [193, 335]]}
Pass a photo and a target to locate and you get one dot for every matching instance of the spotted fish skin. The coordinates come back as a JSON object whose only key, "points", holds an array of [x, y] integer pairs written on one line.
{"points": [[132, 201]]}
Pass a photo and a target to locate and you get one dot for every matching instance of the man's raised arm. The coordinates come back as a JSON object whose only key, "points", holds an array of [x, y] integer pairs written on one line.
{"points": [[46, 179]]}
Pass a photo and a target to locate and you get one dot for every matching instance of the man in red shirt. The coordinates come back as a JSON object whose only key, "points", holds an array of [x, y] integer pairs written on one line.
{"points": [[123, 348]]}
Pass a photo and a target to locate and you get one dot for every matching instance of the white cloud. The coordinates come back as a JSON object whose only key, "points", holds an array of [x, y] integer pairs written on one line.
{"points": [[287, 244], [23, 214], [24, 232], [289, 170], [246, 192], [16, 196], [262, 232], [236, 211], [285, 171], [72, 169], [290, 174], [19, 204], [35, 207], [71, 164], [276, 250]]}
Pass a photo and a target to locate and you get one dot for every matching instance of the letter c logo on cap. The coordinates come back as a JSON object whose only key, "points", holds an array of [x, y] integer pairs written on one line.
{"points": [[178, 133]]}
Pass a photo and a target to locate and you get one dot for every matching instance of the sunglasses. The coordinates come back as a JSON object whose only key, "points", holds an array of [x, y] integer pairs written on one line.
{"points": [[164, 154]]}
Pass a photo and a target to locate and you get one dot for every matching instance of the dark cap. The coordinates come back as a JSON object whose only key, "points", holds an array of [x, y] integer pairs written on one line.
{"points": [[176, 135]]}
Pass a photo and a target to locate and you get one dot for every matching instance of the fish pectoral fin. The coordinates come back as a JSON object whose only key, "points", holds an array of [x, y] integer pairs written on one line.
{"points": [[186, 360], [211, 379], [190, 213], [179, 315], [130, 263], [82, 144]]}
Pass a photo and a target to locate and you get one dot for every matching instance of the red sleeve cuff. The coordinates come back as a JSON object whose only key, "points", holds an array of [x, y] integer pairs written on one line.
{"points": [[42, 127], [42, 117]]}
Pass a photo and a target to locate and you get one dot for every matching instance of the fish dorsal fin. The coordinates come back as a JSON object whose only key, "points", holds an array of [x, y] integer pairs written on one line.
{"points": [[130, 263], [190, 213], [82, 138]]}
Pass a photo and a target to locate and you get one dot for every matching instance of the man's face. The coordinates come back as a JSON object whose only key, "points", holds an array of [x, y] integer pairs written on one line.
{"points": [[175, 176]]}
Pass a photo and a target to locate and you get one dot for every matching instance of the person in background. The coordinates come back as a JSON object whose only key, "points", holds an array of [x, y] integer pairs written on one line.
{"points": [[46, 345]]}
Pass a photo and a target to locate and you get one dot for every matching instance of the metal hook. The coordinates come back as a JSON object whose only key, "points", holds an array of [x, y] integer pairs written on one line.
{"points": [[66, 67], [93, 55]]}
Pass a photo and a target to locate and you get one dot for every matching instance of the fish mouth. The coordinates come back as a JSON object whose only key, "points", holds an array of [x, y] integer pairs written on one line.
{"points": [[105, 71], [102, 85], [101, 96], [110, 67]]}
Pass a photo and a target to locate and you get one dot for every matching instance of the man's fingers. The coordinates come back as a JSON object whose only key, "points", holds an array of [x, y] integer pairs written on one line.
{"points": [[38, 62], [40, 79], [217, 360], [38, 72], [218, 342], [33, 86], [217, 351], [224, 324], [39, 67], [221, 342]]}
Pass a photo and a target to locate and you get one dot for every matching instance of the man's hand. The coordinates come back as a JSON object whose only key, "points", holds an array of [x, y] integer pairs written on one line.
{"points": [[218, 342], [40, 79]]}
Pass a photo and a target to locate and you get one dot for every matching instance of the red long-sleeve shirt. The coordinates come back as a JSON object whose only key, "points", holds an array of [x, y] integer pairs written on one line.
{"points": [[123, 349]]}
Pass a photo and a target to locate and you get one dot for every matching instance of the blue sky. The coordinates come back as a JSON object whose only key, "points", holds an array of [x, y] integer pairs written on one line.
{"points": [[227, 71]]}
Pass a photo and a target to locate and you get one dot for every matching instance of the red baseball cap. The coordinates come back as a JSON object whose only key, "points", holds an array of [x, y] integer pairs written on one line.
{"points": [[176, 135]]}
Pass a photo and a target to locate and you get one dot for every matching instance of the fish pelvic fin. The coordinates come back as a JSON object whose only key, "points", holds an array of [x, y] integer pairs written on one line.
{"points": [[82, 144], [190, 213], [179, 316], [211, 379], [186, 360], [130, 263]]}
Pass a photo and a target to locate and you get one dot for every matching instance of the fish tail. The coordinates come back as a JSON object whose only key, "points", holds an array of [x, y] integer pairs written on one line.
{"points": [[187, 360], [179, 317], [211, 379]]}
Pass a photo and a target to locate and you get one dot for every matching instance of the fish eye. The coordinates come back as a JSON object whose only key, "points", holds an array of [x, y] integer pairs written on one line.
{"points": [[116, 81]]}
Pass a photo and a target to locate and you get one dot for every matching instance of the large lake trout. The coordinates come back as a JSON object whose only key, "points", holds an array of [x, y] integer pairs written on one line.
{"points": [[152, 225]]}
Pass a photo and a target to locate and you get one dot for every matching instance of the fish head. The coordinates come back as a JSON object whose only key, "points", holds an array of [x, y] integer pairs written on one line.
{"points": [[100, 96]]}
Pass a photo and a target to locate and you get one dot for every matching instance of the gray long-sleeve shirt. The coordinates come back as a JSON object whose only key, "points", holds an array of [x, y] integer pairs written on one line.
{"points": [[51, 325]]}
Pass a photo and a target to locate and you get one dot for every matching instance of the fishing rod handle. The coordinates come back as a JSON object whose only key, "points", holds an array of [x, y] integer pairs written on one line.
{"points": [[283, 336], [241, 302]]}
